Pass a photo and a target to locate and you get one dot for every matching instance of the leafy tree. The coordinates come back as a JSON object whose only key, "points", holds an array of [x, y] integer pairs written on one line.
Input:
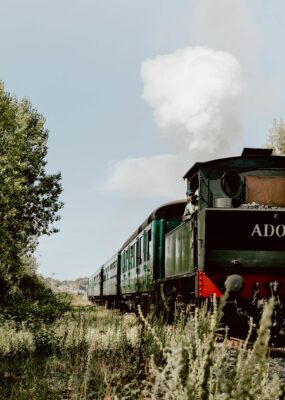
{"points": [[276, 137], [29, 197]]}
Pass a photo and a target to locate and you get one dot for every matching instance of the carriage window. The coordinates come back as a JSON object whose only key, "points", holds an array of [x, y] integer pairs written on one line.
{"points": [[147, 244], [137, 252], [127, 260], [141, 249], [123, 262], [131, 257]]}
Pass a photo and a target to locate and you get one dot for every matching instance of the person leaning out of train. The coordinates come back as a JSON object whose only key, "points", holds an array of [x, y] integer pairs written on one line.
{"points": [[191, 206]]}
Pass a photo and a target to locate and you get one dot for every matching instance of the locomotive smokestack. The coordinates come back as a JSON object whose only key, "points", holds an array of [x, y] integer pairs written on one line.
{"points": [[248, 151]]}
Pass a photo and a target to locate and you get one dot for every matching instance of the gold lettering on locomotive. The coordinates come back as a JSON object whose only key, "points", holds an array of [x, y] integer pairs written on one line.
{"points": [[280, 230], [268, 230], [256, 230]]}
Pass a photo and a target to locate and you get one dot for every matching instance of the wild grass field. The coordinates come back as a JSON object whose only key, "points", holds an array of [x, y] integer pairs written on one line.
{"points": [[94, 353]]}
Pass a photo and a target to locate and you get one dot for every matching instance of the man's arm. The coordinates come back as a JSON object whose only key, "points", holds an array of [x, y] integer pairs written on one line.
{"points": [[186, 215]]}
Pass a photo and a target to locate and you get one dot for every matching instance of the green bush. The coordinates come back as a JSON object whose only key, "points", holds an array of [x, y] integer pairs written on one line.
{"points": [[34, 302]]}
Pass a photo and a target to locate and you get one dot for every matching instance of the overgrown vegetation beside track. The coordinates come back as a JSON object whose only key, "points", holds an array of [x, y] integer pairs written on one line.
{"points": [[93, 353]]}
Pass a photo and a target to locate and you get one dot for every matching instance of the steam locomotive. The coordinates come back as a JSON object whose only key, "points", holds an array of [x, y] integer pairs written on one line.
{"points": [[235, 241]]}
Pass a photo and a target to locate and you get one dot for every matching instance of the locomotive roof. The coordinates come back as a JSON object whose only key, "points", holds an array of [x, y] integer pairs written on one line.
{"points": [[249, 160], [171, 210]]}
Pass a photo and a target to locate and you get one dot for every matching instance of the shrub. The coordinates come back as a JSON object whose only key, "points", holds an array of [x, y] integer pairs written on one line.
{"points": [[34, 302]]}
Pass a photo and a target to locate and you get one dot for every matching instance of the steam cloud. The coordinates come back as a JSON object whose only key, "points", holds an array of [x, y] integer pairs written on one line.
{"points": [[194, 93]]}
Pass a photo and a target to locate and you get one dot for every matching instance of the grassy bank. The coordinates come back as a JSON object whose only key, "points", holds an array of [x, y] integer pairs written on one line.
{"points": [[92, 353]]}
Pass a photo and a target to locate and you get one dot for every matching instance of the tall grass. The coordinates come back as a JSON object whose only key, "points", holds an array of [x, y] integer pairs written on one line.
{"points": [[196, 366], [92, 353]]}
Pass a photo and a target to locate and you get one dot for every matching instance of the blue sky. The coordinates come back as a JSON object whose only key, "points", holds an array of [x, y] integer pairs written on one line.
{"points": [[110, 79]]}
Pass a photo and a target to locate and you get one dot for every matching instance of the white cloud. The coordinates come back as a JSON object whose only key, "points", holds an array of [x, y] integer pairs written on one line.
{"points": [[157, 176]]}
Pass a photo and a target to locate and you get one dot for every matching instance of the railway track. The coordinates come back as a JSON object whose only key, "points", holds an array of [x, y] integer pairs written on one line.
{"points": [[234, 342]]}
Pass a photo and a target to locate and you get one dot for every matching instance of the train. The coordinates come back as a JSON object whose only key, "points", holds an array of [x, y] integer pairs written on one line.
{"points": [[234, 241]]}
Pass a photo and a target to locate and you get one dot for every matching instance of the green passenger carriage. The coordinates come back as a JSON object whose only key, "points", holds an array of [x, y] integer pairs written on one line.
{"points": [[140, 262]]}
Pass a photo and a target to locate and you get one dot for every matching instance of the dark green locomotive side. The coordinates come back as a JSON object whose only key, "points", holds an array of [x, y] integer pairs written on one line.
{"points": [[179, 250], [253, 239]]}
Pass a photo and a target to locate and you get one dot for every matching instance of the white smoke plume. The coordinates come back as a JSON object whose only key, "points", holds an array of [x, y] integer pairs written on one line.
{"points": [[194, 93], [226, 25], [199, 96]]}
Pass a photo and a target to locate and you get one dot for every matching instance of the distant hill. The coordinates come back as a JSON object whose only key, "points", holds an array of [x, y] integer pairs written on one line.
{"points": [[73, 286]]}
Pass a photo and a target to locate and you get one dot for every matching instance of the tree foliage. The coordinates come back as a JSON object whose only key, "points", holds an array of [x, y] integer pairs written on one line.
{"points": [[276, 137], [29, 196]]}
